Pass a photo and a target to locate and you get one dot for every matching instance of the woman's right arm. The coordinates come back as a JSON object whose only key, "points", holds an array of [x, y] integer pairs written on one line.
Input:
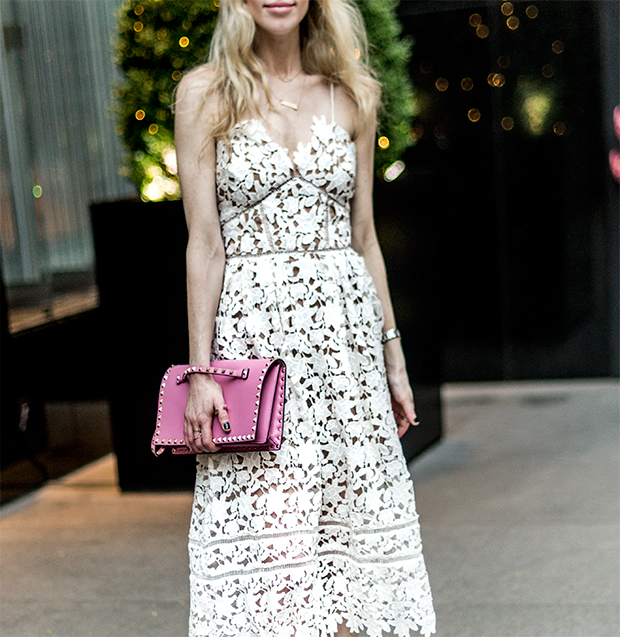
{"points": [[205, 252]]}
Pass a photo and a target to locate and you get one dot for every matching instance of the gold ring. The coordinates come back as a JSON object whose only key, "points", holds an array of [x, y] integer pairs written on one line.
{"points": [[216, 412], [198, 437]]}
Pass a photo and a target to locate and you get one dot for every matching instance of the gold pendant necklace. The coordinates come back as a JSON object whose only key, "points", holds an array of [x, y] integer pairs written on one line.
{"points": [[291, 104]]}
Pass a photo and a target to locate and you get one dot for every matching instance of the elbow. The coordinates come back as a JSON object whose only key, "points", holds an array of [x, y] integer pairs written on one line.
{"points": [[364, 243], [205, 251]]}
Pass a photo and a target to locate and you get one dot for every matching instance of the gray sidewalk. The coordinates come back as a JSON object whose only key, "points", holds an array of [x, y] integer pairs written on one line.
{"points": [[520, 521]]}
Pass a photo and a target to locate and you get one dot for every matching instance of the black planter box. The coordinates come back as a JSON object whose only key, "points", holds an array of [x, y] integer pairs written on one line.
{"points": [[140, 269]]}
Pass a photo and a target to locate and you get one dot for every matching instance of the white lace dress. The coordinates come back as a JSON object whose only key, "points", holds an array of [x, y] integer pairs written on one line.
{"points": [[325, 530]]}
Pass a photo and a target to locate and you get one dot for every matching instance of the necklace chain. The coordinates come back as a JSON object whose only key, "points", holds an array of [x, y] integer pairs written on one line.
{"points": [[282, 79]]}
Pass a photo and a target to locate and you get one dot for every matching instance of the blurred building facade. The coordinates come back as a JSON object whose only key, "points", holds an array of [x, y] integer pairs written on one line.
{"points": [[60, 150]]}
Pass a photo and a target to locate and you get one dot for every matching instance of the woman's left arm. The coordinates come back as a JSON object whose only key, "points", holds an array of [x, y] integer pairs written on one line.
{"points": [[364, 242]]}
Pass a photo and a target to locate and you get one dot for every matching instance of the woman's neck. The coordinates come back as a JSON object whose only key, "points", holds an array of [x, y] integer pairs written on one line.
{"points": [[281, 55]]}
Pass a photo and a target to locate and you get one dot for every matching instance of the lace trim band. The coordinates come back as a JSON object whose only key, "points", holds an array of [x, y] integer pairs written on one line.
{"points": [[304, 563], [269, 253]]}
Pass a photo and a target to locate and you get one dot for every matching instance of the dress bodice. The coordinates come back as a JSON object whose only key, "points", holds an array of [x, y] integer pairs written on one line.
{"points": [[271, 203]]}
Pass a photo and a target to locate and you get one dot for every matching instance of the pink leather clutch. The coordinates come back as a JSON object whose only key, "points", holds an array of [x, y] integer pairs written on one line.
{"points": [[254, 394]]}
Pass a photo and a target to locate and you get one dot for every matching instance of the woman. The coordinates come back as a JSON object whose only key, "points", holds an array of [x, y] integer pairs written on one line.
{"points": [[320, 538]]}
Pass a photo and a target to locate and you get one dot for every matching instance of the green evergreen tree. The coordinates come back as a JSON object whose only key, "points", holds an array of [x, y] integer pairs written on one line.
{"points": [[160, 39]]}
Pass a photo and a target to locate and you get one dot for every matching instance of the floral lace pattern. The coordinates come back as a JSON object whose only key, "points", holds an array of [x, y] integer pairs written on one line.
{"points": [[325, 530]]}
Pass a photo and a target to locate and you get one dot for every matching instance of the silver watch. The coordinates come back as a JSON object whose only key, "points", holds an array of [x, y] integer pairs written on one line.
{"points": [[388, 335]]}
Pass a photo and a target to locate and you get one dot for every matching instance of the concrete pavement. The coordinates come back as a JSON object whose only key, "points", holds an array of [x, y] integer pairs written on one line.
{"points": [[519, 508]]}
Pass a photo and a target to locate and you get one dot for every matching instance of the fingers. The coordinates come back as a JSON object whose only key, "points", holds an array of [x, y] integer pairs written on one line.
{"points": [[404, 414], [222, 415], [204, 440], [198, 434]]}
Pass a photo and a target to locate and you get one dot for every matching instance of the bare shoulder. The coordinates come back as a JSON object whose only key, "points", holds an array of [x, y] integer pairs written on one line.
{"points": [[195, 93], [347, 112]]}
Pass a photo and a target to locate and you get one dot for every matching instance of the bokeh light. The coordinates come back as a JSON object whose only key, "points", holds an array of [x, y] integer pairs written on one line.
{"points": [[482, 31], [416, 132], [507, 8], [467, 84], [536, 107], [474, 115], [503, 61], [383, 142], [496, 79], [475, 19], [532, 12], [140, 115], [557, 46], [559, 128], [184, 42], [441, 84], [548, 70], [513, 22], [394, 170], [37, 191], [508, 123], [169, 157]]}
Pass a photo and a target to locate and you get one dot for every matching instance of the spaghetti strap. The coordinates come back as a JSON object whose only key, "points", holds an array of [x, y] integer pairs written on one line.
{"points": [[331, 95]]}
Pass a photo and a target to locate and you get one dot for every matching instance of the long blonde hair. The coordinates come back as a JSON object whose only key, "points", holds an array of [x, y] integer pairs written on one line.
{"points": [[333, 44]]}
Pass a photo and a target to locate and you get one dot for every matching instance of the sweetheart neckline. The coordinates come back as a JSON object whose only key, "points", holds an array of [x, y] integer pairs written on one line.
{"points": [[316, 120]]}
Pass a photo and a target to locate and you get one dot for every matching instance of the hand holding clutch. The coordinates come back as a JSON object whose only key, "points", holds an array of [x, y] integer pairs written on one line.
{"points": [[254, 393]]}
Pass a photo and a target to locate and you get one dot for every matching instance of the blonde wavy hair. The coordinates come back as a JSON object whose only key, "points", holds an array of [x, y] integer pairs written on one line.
{"points": [[333, 44]]}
